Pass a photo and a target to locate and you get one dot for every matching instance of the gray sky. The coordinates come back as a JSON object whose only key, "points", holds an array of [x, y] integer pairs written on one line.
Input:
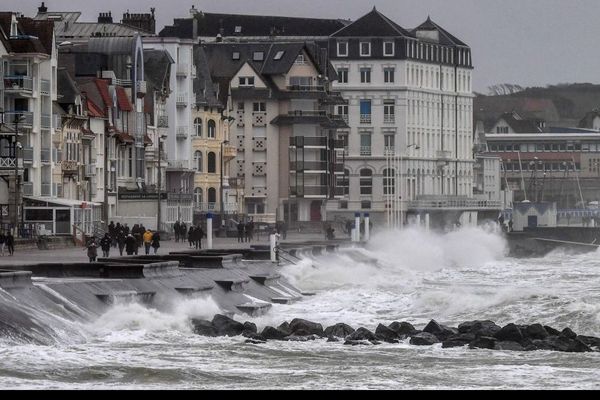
{"points": [[527, 42]]}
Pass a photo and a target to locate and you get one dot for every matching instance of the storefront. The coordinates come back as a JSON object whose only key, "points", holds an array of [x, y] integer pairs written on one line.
{"points": [[62, 216]]}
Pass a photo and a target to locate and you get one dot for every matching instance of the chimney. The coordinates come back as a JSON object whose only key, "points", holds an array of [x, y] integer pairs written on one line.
{"points": [[105, 18], [143, 22], [42, 9]]}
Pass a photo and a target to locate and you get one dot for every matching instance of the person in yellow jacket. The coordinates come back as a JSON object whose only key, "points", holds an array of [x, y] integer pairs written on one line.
{"points": [[147, 240]]}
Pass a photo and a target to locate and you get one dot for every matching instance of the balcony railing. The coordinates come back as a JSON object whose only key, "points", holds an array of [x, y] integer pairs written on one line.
{"points": [[229, 152], [365, 150], [68, 166], [28, 188], [182, 100], [27, 120], [389, 119], [444, 154], [302, 141], [389, 151], [315, 191], [182, 132], [344, 117], [365, 118], [307, 113], [455, 204], [18, 83], [46, 121], [56, 121], [320, 166], [178, 164], [305, 88], [46, 189], [7, 162], [45, 87], [206, 207], [45, 156], [163, 121]]}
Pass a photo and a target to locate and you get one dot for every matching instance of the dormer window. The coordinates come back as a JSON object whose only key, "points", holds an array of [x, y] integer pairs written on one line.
{"points": [[247, 81], [342, 49], [279, 55], [300, 60], [258, 56], [238, 29], [388, 49], [14, 27], [365, 49], [235, 55]]}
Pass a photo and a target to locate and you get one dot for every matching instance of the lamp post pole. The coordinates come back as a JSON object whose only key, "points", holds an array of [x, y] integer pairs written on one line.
{"points": [[221, 188], [158, 214], [18, 118], [401, 183]]}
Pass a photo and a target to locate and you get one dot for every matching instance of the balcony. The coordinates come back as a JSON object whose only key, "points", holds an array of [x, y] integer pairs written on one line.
{"points": [[229, 152], [182, 100], [45, 87], [46, 121], [178, 165], [207, 207], [27, 188], [7, 162], [57, 121], [389, 151], [183, 69], [365, 150], [90, 170], [344, 117], [182, 132], [305, 88], [18, 84], [163, 121], [45, 156], [309, 166], [450, 203], [310, 142], [46, 190], [27, 121], [27, 155], [69, 167], [365, 118], [389, 119]]}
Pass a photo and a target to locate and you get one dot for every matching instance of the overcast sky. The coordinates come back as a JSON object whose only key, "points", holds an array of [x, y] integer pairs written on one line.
{"points": [[527, 42]]}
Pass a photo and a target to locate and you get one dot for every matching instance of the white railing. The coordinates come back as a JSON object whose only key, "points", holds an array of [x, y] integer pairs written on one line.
{"points": [[182, 100], [178, 164], [20, 83], [389, 151], [204, 207], [27, 117], [443, 154], [46, 121], [46, 189], [455, 204], [6, 162], [365, 150], [365, 118], [182, 132], [389, 119]]}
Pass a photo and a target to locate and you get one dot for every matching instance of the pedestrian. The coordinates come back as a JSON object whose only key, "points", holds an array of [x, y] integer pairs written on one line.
{"points": [[155, 241], [2, 243], [118, 231], [121, 241], [105, 244], [10, 243], [176, 231], [148, 240], [250, 230], [126, 229], [130, 245], [190, 236], [198, 233], [182, 231], [92, 251], [284, 229], [241, 231]]}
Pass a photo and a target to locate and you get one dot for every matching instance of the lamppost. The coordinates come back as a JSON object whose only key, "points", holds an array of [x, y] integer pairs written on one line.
{"points": [[401, 181], [395, 209], [158, 214], [17, 146], [222, 227]]}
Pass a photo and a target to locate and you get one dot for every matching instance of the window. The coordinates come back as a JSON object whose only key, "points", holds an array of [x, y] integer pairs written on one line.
{"points": [[388, 49], [259, 107], [342, 49], [212, 195], [300, 81], [246, 81], [365, 75], [343, 204], [365, 49], [198, 160], [343, 112], [238, 29], [388, 75], [212, 129], [365, 111], [258, 56], [342, 75], [279, 55], [365, 144], [198, 197], [343, 182], [212, 163], [389, 111], [300, 60], [366, 181], [389, 181], [389, 143], [235, 55], [198, 126], [365, 205], [502, 129], [241, 106]]}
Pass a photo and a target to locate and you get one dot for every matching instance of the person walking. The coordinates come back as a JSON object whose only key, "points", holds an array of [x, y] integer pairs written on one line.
{"points": [[176, 231], [250, 231], [155, 241], [10, 243], [148, 240], [2, 243], [130, 245], [198, 233], [121, 241], [241, 231], [190, 236], [182, 232], [92, 251], [105, 244]]}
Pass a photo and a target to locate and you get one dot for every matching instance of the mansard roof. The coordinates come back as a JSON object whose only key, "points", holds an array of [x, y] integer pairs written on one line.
{"points": [[34, 36], [204, 87], [445, 37], [211, 24], [373, 24], [520, 125]]}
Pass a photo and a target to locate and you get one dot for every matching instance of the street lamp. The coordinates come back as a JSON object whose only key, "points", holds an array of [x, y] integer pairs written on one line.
{"points": [[401, 186], [222, 229], [158, 214], [394, 210], [17, 146]]}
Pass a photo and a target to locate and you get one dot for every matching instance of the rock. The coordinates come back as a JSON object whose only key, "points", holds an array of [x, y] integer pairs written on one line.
{"points": [[551, 331], [285, 327], [339, 330], [255, 341], [402, 328], [226, 326], [535, 331], [332, 339], [386, 334], [442, 332], [255, 336], [249, 327], [458, 340], [358, 343], [509, 333], [562, 343], [204, 328], [479, 328], [375, 342], [306, 327], [590, 340], [273, 333], [512, 346], [577, 346], [543, 345], [568, 333], [361, 334], [483, 342], [424, 339], [301, 338]]}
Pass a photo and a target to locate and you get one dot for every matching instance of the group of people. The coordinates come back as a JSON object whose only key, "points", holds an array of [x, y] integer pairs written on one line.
{"points": [[129, 240], [7, 241], [180, 230], [281, 228], [245, 231]]}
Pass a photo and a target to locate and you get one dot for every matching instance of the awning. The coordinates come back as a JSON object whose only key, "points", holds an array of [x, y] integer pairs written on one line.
{"points": [[54, 202]]}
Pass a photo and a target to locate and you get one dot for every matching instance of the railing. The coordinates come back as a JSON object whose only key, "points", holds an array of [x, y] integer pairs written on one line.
{"points": [[45, 87], [307, 113], [45, 156], [182, 69], [182, 132], [229, 152], [309, 166], [365, 150], [182, 100], [46, 189], [163, 121], [389, 151], [389, 118], [303, 191], [7, 162], [178, 164], [28, 154], [28, 189], [9, 117], [306, 88], [444, 154], [365, 118], [126, 83], [455, 204], [46, 121], [302, 141], [205, 207], [19, 83], [56, 121], [90, 170]]}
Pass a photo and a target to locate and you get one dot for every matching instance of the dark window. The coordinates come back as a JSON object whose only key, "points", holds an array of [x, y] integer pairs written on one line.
{"points": [[212, 195], [366, 181], [212, 163], [259, 107], [212, 129], [258, 56], [343, 75], [365, 205], [235, 55]]}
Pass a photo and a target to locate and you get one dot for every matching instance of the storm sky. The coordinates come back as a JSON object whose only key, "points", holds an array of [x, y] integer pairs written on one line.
{"points": [[526, 42]]}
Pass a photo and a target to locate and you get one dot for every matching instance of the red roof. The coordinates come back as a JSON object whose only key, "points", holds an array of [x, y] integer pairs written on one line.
{"points": [[147, 140], [123, 100], [125, 137], [94, 110], [103, 88]]}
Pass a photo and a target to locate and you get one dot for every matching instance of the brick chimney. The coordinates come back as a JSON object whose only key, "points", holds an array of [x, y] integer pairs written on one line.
{"points": [[42, 9], [105, 18], [144, 22]]}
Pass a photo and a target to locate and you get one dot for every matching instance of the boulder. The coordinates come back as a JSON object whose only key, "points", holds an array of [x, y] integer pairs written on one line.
{"points": [[509, 333], [551, 331], [301, 338], [577, 346], [590, 341], [386, 334], [249, 327], [361, 334], [403, 329], [306, 327], [479, 328], [568, 333], [535, 331], [458, 340], [255, 341], [333, 339], [424, 339], [285, 327], [483, 342], [273, 333], [204, 328], [339, 330], [442, 332], [512, 346], [226, 326], [357, 343]]}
